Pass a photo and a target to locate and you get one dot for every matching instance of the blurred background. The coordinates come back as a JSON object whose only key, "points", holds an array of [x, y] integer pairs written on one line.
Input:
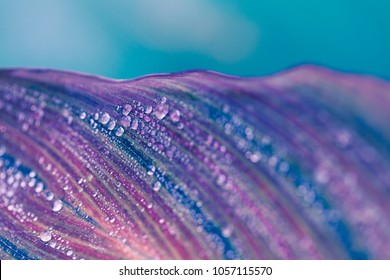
{"points": [[129, 38]]}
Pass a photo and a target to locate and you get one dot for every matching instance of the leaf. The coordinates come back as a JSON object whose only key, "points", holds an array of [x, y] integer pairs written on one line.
{"points": [[194, 165]]}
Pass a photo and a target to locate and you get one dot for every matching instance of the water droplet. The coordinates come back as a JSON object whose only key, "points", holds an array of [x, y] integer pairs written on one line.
{"points": [[39, 187], [322, 175], [255, 157], [134, 125], [111, 125], [148, 109], [119, 132], [227, 231], [272, 161], [221, 179], [49, 196], [151, 170], [65, 113], [126, 109], [126, 121], [249, 133], [112, 220], [83, 115], [284, 167], [45, 236], [69, 253], [175, 115], [10, 180], [104, 119], [69, 119], [161, 111], [31, 183], [161, 221], [48, 167], [150, 205], [157, 186], [57, 205]]}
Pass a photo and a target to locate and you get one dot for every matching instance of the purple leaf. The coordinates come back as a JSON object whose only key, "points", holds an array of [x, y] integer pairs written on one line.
{"points": [[194, 165]]}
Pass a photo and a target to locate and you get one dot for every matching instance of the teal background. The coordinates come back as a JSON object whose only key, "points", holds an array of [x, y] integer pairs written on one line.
{"points": [[125, 39]]}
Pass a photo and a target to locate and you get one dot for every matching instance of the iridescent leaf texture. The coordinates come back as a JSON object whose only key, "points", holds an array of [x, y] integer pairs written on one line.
{"points": [[194, 165]]}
